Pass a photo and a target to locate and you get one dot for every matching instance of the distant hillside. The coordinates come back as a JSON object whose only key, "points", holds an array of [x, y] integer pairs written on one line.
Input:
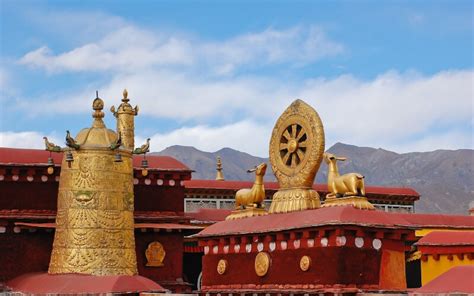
{"points": [[444, 178], [235, 163]]}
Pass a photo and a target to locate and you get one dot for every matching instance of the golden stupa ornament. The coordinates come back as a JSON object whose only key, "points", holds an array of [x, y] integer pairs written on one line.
{"points": [[219, 174], [296, 152], [94, 223]]}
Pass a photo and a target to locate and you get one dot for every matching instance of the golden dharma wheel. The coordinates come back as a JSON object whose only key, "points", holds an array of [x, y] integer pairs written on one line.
{"points": [[296, 152], [297, 146]]}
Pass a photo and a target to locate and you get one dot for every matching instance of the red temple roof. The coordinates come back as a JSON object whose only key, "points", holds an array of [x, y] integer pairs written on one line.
{"points": [[344, 215], [15, 156], [209, 215], [458, 279], [447, 238], [236, 185], [75, 284]]}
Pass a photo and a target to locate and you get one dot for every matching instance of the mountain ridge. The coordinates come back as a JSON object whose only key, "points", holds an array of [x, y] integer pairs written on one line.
{"points": [[444, 178]]}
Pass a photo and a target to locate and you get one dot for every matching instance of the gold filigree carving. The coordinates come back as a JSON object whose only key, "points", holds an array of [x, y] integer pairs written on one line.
{"points": [[222, 266], [305, 263], [155, 254], [296, 152], [262, 263]]}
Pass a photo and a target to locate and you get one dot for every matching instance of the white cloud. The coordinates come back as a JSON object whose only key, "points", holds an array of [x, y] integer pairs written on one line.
{"points": [[29, 139], [130, 48], [187, 79]]}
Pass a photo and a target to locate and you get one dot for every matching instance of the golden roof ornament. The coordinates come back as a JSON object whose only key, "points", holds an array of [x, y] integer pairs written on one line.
{"points": [[296, 152], [125, 121], [219, 174], [249, 201], [94, 223], [347, 189]]}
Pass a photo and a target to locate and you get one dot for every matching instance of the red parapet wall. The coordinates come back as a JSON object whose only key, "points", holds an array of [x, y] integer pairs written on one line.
{"points": [[346, 257]]}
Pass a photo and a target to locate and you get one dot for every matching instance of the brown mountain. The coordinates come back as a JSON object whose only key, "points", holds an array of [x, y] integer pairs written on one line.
{"points": [[444, 178]]}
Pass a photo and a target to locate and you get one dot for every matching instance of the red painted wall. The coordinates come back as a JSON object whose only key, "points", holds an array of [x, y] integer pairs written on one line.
{"points": [[24, 252], [159, 198], [330, 265], [28, 195], [173, 262]]}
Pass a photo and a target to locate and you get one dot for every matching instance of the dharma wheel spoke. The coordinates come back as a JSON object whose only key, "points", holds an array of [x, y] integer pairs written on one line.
{"points": [[287, 135], [302, 144], [293, 160], [285, 158], [293, 131], [300, 135], [283, 146], [300, 154]]}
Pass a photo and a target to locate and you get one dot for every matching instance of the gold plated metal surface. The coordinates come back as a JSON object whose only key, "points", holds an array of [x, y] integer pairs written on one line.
{"points": [[94, 223], [358, 202], [351, 184], [305, 263], [155, 254], [249, 201], [220, 174], [125, 122], [262, 263], [222, 266], [296, 152]]}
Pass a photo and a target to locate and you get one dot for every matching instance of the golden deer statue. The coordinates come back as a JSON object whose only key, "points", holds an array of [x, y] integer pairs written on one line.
{"points": [[248, 198], [351, 184]]}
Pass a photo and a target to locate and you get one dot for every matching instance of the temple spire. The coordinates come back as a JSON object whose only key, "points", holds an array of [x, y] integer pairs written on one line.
{"points": [[220, 174]]}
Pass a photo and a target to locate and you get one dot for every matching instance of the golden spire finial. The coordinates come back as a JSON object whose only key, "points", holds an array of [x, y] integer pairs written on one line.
{"points": [[97, 106], [125, 96], [220, 174]]}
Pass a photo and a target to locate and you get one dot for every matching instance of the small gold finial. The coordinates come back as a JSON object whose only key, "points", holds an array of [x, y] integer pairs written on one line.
{"points": [[97, 106], [220, 174], [125, 96]]}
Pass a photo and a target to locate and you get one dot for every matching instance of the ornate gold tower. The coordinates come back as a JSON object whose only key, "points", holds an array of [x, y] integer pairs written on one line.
{"points": [[94, 223], [125, 122], [296, 152]]}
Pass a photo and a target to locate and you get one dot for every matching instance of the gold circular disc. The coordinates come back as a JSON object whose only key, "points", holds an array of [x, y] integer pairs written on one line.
{"points": [[50, 170], [262, 263], [222, 266], [305, 263], [297, 146]]}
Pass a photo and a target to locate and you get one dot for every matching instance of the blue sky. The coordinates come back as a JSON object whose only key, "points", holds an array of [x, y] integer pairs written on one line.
{"points": [[213, 74]]}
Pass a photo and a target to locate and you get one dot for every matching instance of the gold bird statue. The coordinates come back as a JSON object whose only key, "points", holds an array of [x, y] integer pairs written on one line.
{"points": [[143, 148], [70, 142], [50, 146]]}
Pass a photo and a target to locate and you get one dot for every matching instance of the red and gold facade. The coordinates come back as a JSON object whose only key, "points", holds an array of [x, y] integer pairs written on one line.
{"points": [[27, 216]]}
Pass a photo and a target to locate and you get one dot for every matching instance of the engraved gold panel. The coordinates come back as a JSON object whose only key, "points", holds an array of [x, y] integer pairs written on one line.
{"points": [[305, 263], [155, 254], [296, 152], [222, 266], [262, 263]]}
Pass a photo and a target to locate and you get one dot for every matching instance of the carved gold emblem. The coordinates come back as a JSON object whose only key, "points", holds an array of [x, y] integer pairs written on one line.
{"points": [[305, 263], [222, 266], [155, 254], [296, 152], [262, 263]]}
